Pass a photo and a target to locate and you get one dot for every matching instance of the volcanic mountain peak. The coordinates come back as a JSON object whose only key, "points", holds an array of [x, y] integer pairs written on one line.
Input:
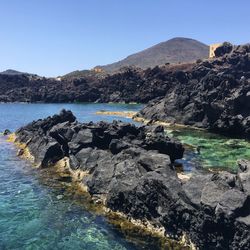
{"points": [[175, 50]]}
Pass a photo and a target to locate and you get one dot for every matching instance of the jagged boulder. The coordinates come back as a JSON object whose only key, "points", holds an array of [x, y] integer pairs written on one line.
{"points": [[225, 48]]}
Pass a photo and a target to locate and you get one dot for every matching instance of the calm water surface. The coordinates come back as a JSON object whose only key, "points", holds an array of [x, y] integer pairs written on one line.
{"points": [[215, 151]]}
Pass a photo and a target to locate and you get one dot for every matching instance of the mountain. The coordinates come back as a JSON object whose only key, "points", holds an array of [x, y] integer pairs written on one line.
{"points": [[176, 50], [14, 72]]}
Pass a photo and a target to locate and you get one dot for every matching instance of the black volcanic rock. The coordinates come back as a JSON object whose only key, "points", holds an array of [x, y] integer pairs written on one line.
{"points": [[62, 135], [6, 132], [130, 170], [225, 48], [214, 95]]}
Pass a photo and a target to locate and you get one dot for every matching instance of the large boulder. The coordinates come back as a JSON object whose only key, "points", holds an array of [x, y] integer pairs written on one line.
{"points": [[225, 48], [221, 216]]}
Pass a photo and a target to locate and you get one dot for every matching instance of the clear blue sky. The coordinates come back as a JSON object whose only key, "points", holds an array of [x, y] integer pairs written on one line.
{"points": [[54, 37]]}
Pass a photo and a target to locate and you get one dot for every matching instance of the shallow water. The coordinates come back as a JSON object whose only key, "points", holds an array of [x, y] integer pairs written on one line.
{"points": [[211, 151], [33, 217]]}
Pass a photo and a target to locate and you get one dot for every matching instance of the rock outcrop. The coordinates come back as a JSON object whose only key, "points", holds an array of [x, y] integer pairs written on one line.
{"points": [[225, 48], [214, 95], [130, 170], [128, 85]]}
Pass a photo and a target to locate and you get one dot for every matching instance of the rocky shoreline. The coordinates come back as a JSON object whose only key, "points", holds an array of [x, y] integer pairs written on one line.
{"points": [[213, 94], [130, 170]]}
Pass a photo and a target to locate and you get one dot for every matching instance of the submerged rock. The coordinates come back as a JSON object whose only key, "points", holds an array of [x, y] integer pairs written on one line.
{"points": [[130, 170]]}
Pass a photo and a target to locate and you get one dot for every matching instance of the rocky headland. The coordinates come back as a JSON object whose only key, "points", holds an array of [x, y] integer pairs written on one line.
{"points": [[130, 170], [214, 95]]}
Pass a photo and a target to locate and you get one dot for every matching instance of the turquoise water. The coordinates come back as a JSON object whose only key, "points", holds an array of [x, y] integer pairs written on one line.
{"points": [[215, 151], [38, 212], [32, 216]]}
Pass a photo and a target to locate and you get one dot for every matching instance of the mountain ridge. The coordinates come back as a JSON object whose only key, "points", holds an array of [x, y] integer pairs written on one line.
{"points": [[13, 72], [175, 50]]}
